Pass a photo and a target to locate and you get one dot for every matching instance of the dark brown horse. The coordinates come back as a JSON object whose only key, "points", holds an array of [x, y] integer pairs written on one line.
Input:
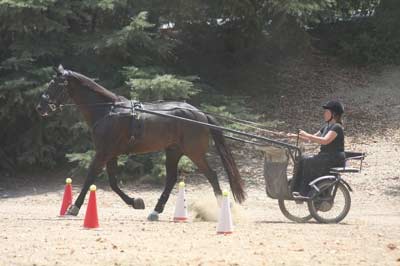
{"points": [[117, 130]]}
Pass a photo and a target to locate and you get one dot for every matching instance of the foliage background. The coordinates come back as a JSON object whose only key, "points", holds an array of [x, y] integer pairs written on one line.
{"points": [[164, 50]]}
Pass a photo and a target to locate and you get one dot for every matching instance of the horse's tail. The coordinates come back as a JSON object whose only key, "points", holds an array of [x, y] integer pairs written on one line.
{"points": [[224, 152]]}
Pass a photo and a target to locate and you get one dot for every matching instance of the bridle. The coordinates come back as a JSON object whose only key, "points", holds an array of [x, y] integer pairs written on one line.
{"points": [[56, 102]]}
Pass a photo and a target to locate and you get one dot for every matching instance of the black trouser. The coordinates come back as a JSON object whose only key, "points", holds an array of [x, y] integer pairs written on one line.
{"points": [[312, 167]]}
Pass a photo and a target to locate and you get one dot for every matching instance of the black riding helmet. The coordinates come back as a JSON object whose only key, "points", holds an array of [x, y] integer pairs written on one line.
{"points": [[335, 106]]}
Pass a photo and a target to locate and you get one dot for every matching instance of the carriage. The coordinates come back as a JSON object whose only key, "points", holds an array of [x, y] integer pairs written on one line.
{"points": [[329, 200], [121, 126]]}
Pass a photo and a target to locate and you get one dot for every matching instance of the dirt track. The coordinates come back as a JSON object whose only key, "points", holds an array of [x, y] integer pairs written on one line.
{"points": [[32, 234]]}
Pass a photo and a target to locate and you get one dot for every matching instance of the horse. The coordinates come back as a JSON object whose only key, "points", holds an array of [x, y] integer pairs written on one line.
{"points": [[117, 129]]}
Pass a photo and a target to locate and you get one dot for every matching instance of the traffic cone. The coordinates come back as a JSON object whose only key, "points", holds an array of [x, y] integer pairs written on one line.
{"points": [[225, 225], [67, 198], [91, 219], [181, 214]]}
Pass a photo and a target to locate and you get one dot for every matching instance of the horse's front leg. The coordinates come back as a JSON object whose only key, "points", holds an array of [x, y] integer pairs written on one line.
{"points": [[96, 166], [172, 159], [136, 203]]}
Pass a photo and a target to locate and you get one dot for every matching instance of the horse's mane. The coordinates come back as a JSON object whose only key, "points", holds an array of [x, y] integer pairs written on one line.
{"points": [[94, 86]]}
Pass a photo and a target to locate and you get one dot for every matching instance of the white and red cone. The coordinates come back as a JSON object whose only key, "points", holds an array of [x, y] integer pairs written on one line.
{"points": [[181, 214], [225, 225]]}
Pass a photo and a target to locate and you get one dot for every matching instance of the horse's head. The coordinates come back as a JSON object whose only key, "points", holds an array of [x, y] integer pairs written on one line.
{"points": [[55, 94]]}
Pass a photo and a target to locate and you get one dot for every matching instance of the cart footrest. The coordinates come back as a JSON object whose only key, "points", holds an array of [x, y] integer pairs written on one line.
{"points": [[344, 170], [298, 197]]}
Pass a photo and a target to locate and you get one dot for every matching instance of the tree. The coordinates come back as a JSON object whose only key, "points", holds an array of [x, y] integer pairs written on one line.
{"points": [[153, 49]]}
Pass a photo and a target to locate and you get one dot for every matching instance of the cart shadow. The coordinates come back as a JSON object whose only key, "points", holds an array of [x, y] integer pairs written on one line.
{"points": [[393, 191], [290, 222]]}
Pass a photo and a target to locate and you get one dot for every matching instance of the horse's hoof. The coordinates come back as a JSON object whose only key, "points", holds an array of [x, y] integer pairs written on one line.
{"points": [[72, 210], [138, 203], [153, 216]]}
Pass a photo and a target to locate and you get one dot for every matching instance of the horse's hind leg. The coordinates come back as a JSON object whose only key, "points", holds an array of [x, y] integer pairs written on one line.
{"points": [[173, 156], [112, 171], [203, 166]]}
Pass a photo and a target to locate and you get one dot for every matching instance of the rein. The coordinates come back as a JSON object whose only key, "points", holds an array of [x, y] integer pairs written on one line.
{"points": [[137, 105]]}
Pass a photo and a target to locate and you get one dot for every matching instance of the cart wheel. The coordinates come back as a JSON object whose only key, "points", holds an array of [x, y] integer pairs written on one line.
{"points": [[295, 211], [332, 204]]}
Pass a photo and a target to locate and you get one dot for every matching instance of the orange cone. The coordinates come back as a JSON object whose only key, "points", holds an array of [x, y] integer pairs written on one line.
{"points": [[225, 225], [91, 219], [181, 214], [67, 198]]}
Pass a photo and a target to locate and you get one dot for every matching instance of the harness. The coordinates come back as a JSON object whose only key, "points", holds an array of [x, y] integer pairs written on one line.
{"points": [[126, 109]]}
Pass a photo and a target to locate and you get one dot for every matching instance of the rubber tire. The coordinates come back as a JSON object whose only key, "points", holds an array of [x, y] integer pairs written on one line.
{"points": [[287, 214], [345, 211]]}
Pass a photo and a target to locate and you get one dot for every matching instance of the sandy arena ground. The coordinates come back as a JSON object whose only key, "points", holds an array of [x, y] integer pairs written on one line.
{"points": [[32, 234]]}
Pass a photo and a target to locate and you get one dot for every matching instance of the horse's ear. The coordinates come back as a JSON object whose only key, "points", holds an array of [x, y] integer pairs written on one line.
{"points": [[61, 69]]}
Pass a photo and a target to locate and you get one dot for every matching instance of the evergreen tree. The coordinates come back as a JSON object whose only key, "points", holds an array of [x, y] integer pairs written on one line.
{"points": [[97, 38], [135, 48]]}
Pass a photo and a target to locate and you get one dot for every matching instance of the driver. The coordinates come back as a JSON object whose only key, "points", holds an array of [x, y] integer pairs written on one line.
{"points": [[331, 139]]}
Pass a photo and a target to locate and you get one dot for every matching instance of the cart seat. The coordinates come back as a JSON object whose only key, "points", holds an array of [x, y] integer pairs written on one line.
{"points": [[337, 170], [351, 155]]}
